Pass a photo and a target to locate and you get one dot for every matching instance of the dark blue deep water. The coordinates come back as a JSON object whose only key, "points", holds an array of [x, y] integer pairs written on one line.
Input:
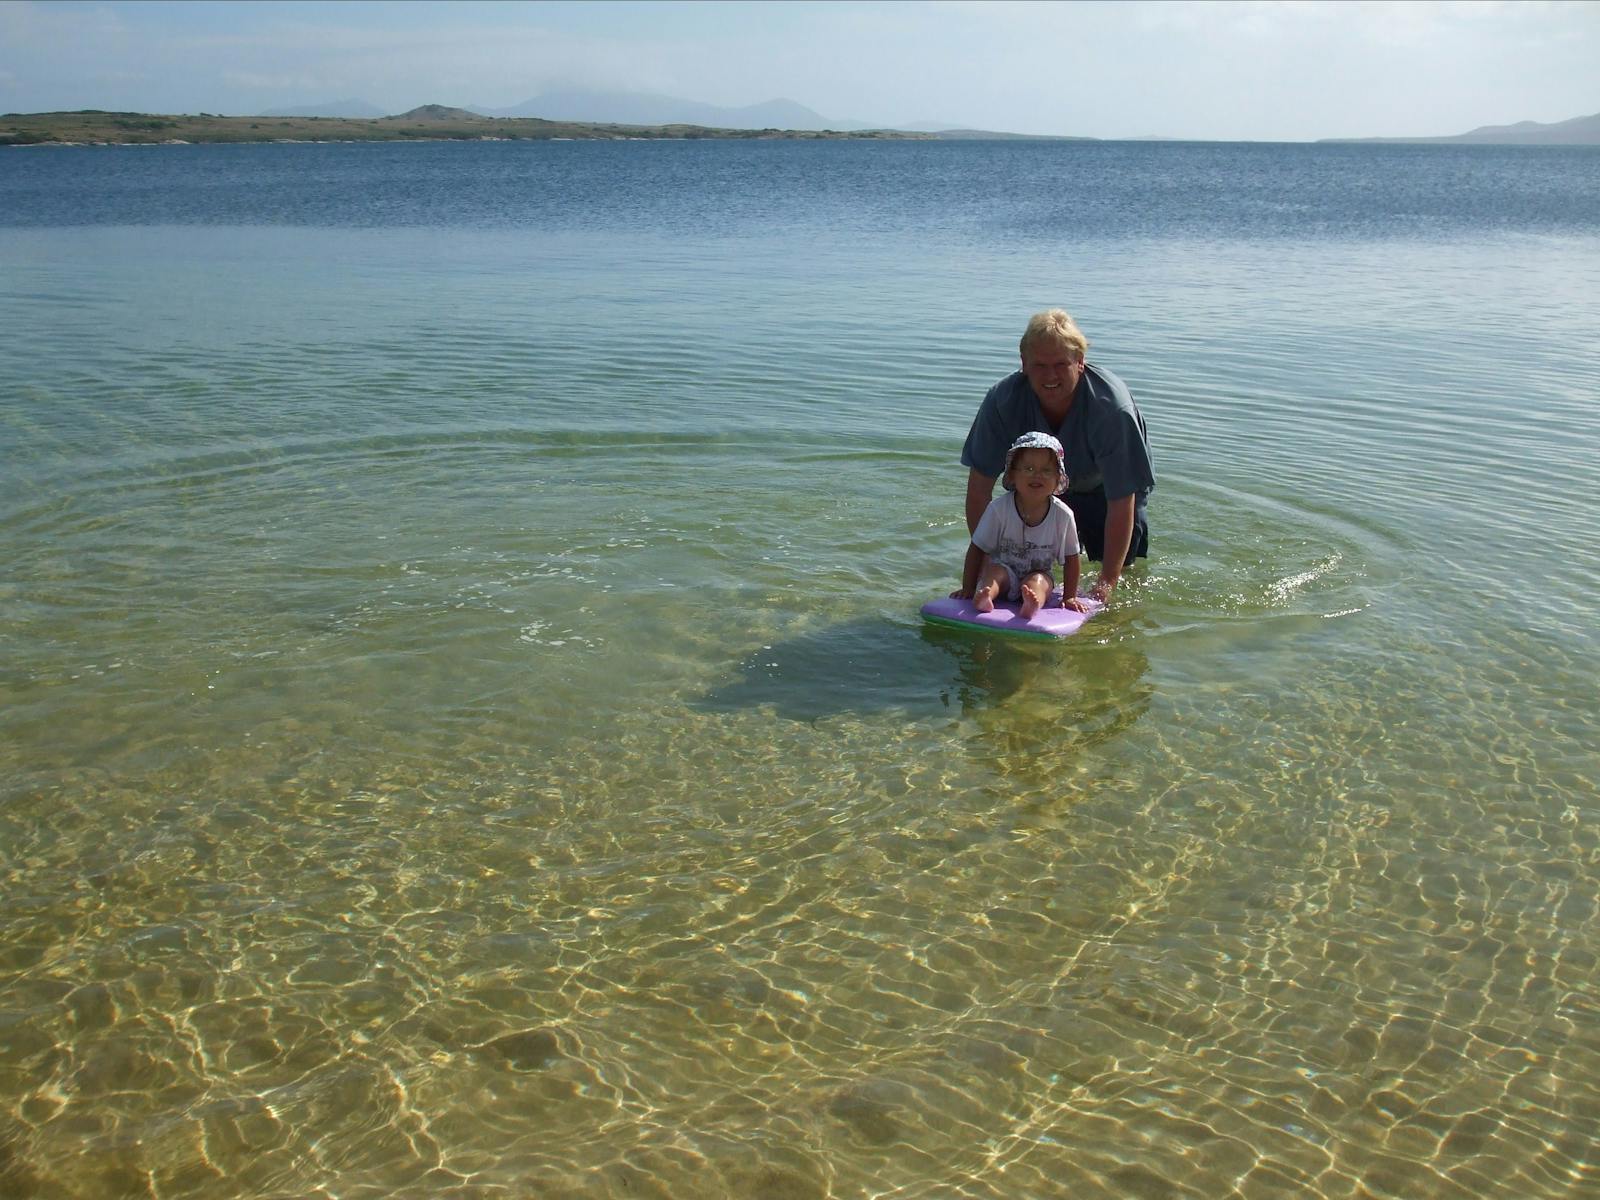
{"points": [[1053, 192]]}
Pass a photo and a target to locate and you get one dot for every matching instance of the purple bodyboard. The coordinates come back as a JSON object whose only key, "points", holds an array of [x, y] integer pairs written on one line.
{"points": [[1050, 621]]}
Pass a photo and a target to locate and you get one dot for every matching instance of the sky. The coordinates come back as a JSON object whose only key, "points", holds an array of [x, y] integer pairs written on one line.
{"points": [[1268, 70]]}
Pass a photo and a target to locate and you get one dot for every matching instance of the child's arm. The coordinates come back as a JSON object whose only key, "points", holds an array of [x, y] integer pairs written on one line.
{"points": [[970, 570], [1070, 567]]}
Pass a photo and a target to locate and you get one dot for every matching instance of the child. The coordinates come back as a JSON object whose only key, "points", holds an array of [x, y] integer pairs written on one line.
{"points": [[1024, 533]]}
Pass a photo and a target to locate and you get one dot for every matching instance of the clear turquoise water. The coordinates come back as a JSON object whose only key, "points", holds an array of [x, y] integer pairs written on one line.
{"points": [[466, 727]]}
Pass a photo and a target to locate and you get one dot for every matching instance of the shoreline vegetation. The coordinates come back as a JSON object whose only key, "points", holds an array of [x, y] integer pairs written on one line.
{"points": [[436, 122], [431, 122]]}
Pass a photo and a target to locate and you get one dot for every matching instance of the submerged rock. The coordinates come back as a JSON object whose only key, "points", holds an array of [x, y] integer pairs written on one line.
{"points": [[525, 1050]]}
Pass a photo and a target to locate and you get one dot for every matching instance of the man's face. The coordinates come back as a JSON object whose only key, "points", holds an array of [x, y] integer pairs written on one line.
{"points": [[1053, 371]]}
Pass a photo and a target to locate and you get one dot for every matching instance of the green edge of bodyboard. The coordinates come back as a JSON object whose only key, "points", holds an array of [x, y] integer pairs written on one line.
{"points": [[998, 630]]}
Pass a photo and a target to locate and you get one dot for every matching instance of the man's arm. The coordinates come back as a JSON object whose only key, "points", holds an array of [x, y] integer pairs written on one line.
{"points": [[980, 490], [1119, 535]]}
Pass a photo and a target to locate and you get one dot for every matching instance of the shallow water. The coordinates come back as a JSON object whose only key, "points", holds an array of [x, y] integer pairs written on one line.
{"points": [[467, 728]]}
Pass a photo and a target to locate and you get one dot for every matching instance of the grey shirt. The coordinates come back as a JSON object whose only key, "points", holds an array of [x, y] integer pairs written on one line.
{"points": [[1103, 436]]}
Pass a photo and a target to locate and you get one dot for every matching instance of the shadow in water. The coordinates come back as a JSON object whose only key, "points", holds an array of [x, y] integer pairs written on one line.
{"points": [[878, 665], [858, 666]]}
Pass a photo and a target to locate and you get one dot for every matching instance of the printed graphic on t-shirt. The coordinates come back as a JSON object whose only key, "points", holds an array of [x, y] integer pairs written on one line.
{"points": [[1024, 557], [1002, 535]]}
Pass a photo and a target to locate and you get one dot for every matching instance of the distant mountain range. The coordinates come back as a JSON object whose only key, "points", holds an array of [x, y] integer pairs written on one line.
{"points": [[650, 108], [619, 108], [358, 109], [1579, 131], [646, 108]]}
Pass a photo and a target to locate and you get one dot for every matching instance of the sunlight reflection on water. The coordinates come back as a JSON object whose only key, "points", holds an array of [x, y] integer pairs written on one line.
{"points": [[474, 732]]}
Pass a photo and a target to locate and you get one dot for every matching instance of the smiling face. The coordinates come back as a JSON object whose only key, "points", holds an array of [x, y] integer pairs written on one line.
{"points": [[1034, 474], [1053, 370]]}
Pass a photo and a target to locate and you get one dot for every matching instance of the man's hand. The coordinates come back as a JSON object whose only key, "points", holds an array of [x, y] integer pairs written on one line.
{"points": [[1119, 536]]}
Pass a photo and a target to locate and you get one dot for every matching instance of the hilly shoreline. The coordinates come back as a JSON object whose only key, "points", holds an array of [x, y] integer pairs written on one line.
{"points": [[1579, 131], [95, 127], [434, 122]]}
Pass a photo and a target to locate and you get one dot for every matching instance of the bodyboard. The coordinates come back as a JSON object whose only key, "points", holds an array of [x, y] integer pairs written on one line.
{"points": [[1049, 623]]}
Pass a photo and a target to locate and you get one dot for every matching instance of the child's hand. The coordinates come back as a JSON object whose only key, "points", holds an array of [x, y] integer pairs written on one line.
{"points": [[1077, 603], [962, 594]]}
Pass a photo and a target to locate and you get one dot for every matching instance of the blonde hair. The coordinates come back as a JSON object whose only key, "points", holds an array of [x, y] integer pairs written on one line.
{"points": [[1054, 325]]}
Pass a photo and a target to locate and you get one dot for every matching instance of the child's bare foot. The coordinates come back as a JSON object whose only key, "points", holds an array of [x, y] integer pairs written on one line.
{"points": [[983, 599], [1034, 593]]}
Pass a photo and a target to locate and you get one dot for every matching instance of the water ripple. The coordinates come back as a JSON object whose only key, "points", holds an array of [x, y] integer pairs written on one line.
{"points": [[467, 727]]}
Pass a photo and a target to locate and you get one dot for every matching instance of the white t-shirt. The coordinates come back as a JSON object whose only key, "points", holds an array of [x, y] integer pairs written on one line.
{"points": [[1024, 549]]}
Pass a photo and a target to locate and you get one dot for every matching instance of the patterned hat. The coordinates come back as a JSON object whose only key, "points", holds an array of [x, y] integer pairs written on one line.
{"points": [[1037, 441]]}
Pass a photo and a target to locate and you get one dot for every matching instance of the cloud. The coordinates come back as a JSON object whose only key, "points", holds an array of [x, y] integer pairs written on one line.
{"points": [[1306, 23], [302, 81], [25, 25], [1274, 68], [500, 64]]}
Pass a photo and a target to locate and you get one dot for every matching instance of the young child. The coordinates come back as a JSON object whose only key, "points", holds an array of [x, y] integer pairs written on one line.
{"points": [[1024, 533]]}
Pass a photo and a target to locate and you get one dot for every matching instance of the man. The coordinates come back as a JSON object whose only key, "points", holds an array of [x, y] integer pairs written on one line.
{"points": [[1092, 414]]}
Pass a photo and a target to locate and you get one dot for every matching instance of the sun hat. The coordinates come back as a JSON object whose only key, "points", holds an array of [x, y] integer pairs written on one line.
{"points": [[1037, 441]]}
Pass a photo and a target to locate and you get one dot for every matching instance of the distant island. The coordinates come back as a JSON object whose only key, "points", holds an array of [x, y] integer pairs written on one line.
{"points": [[431, 122]]}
